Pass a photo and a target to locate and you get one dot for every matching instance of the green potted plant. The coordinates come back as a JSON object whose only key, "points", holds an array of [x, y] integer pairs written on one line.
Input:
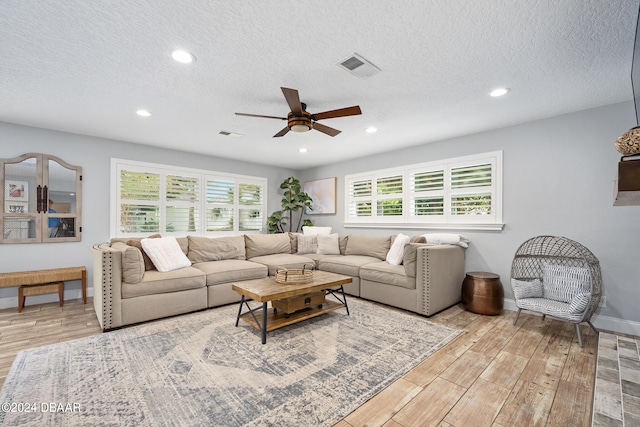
{"points": [[294, 202]]}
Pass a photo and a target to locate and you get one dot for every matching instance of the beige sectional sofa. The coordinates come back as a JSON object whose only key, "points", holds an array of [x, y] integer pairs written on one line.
{"points": [[428, 280]]}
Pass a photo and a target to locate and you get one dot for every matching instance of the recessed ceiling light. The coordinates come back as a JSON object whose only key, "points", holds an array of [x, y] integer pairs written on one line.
{"points": [[183, 56], [143, 113], [371, 129], [302, 150], [500, 91]]}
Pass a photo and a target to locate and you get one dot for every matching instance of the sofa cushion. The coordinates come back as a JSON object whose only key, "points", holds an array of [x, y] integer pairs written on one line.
{"points": [[203, 249], [156, 282], [318, 257], [348, 264], [267, 244], [383, 272], [374, 246], [231, 270], [283, 260]]}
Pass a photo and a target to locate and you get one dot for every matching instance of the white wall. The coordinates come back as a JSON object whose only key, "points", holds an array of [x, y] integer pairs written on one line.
{"points": [[558, 180], [94, 156]]}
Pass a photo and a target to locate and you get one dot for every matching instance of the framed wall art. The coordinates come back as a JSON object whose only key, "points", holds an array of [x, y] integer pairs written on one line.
{"points": [[16, 191], [323, 194]]}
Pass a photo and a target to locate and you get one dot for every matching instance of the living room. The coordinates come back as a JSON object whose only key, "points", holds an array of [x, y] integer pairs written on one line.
{"points": [[559, 165]]}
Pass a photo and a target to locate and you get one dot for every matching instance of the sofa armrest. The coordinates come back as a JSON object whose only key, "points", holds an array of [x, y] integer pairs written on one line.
{"points": [[107, 285], [439, 276]]}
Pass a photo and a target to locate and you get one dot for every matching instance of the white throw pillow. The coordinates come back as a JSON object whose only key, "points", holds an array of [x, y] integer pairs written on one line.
{"points": [[165, 253], [314, 231], [561, 283], [307, 244], [328, 244], [396, 253], [447, 239], [526, 289]]}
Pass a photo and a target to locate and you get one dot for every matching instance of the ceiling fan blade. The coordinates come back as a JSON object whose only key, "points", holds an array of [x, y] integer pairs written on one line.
{"points": [[260, 115], [283, 132], [293, 99], [326, 129], [341, 112]]}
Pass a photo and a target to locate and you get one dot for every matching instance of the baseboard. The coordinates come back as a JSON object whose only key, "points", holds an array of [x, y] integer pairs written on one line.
{"points": [[605, 323], [12, 302]]}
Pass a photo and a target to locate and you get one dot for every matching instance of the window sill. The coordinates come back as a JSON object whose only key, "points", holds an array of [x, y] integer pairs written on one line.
{"points": [[483, 227]]}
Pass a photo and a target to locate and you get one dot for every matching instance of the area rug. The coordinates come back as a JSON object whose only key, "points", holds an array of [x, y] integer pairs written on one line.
{"points": [[201, 370]]}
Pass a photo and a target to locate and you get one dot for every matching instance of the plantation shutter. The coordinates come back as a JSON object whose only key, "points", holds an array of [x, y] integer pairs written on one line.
{"points": [[471, 190], [250, 201], [183, 204], [389, 190], [427, 194], [139, 202], [360, 198], [220, 195]]}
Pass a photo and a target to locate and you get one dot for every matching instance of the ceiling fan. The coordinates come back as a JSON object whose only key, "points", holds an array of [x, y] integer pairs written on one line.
{"points": [[299, 120]]}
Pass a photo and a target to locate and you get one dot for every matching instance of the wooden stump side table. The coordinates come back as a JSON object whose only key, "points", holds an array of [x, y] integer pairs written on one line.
{"points": [[482, 293]]}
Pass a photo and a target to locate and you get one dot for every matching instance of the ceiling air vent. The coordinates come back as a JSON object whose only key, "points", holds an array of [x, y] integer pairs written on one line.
{"points": [[359, 66], [227, 133]]}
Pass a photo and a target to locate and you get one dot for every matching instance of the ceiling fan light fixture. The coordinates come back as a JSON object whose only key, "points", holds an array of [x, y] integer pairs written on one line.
{"points": [[300, 128]]}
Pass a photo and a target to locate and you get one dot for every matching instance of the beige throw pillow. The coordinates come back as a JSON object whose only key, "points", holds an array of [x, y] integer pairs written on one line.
{"points": [[328, 245], [368, 245], [148, 264], [307, 244]]}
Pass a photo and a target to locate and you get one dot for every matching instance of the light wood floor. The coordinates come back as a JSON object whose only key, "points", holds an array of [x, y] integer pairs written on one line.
{"points": [[494, 374]]}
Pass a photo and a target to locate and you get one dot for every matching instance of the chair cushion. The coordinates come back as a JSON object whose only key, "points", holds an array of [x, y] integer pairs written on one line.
{"points": [[561, 283], [550, 307], [526, 288], [580, 302], [231, 270]]}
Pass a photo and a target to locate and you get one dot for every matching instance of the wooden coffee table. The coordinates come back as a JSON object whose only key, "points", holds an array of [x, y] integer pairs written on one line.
{"points": [[267, 289]]}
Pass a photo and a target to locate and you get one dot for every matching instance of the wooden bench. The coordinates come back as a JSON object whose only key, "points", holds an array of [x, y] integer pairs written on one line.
{"points": [[46, 281]]}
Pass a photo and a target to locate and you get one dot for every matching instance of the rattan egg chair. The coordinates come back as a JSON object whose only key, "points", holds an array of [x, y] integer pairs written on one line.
{"points": [[559, 277]]}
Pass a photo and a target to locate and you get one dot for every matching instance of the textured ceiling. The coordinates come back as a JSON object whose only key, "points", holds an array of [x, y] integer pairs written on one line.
{"points": [[86, 67]]}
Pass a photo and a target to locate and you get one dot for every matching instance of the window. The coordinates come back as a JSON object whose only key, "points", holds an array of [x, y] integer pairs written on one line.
{"points": [[464, 192], [151, 198]]}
